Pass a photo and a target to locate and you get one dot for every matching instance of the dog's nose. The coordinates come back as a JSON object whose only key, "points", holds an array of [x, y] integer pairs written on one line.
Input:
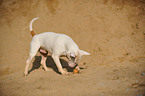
{"points": [[71, 64]]}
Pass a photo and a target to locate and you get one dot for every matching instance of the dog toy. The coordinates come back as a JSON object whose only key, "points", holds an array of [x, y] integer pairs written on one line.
{"points": [[75, 71]]}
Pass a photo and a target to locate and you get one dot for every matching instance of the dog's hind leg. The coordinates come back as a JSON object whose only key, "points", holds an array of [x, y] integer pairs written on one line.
{"points": [[43, 62], [33, 51]]}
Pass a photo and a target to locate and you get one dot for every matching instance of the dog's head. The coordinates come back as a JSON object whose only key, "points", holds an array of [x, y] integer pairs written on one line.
{"points": [[74, 57]]}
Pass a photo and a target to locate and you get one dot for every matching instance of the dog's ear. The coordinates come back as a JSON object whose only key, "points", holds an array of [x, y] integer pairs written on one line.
{"points": [[84, 52]]}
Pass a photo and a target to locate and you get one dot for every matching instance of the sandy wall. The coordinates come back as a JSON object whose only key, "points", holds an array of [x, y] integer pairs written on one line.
{"points": [[111, 30]]}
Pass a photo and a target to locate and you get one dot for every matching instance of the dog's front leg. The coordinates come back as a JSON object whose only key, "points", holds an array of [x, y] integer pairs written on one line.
{"points": [[58, 64]]}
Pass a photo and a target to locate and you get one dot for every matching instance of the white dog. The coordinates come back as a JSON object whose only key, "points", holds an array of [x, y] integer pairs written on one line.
{"points": [[57, 45]]}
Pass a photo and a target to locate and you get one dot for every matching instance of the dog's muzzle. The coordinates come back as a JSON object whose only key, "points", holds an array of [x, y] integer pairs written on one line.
{"points": [[72, 61], [71, 64]]}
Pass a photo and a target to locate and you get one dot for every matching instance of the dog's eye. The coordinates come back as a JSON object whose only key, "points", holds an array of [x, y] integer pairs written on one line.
{"points": [[72, 58]]}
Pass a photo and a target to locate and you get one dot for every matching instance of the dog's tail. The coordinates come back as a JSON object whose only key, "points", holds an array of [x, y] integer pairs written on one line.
{"points": [[31, 29]]}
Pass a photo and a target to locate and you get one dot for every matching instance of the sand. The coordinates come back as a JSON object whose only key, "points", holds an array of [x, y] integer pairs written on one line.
{"points": [[113, 31]]}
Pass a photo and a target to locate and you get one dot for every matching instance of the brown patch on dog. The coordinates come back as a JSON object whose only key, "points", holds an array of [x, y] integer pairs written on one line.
{"points": [[32, 33]]}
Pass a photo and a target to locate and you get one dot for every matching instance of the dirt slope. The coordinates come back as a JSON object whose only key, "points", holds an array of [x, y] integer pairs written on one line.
{"points": [[113, 31]]}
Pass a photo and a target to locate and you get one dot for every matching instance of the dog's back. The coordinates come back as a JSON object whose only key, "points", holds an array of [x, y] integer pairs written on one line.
{"points": [[51, 40]]}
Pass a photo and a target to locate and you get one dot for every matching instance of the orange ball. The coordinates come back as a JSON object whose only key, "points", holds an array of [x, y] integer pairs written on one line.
{"points": [[75, 71]]}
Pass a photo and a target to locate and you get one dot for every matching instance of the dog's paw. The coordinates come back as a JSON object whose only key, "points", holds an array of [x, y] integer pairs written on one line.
{"points": [[47, 69], [25, 74], [64, 72]]}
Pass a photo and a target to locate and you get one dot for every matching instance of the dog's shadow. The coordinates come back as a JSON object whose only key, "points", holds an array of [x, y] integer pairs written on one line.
{"points": [[50, 64]]}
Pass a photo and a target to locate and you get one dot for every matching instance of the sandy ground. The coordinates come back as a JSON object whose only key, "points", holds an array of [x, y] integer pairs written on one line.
{"points": [[113, 31]]}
